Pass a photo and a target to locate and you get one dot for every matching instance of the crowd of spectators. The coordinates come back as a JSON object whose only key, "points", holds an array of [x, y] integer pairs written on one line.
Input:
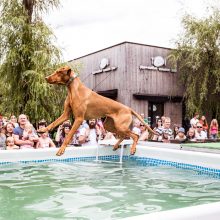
{"points": [[21, 134]]}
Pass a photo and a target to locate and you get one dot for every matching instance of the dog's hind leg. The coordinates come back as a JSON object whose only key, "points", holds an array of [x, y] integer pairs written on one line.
{"points": [[135, 138], [109, 125], [116, 146]]}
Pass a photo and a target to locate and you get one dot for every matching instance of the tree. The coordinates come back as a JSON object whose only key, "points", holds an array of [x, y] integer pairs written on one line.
{"points": [[28, 54], [197, 55]]}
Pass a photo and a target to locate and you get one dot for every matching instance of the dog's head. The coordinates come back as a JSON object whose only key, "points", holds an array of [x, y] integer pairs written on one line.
{"points": [[60, 76]]}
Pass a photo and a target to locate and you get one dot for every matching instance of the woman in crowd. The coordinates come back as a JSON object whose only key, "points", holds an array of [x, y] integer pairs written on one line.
{"points": [[175, 130], [78, 138], [158, 129], [9, 129], [144, 133], [2, 138], [14, 121], [204, 124], [213, 131]]}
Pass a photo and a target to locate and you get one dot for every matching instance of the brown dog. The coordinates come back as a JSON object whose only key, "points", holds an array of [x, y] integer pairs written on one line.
{"points": [[86, 104]]}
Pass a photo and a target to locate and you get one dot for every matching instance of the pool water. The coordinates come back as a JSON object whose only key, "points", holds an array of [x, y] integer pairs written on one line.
{"points": [[89, 190]]}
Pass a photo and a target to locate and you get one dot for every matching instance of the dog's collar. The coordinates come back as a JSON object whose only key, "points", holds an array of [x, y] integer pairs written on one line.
{"points": [[72, 78]]}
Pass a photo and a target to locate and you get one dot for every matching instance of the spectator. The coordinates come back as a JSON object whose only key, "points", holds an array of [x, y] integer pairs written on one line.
{"points": [[18, 131], [145, 119], [136, 127], [204, 124], [175, 131], [2, 138], [95, 131], [42, 124], [45, 141], [78, 138], [13, 120], [9, 129], [163, 119], [200, 135], [109, 136], [213, 131], [191, 135], [29, 134], [10, 144], [144, 133], [60, 131], [194, 120], [158, 129], [5, 120], [167, 131], [100, 130], [181, 134]]}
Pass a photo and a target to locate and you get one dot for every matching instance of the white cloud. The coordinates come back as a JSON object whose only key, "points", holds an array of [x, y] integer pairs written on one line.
{"points": [[84, 26]]}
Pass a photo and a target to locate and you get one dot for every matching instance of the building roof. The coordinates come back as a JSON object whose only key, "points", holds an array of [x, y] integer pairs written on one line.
{"points": [[125, 42]]}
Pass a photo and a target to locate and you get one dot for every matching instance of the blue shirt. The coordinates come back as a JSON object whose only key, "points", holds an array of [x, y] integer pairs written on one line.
{"points": [[18, 131]]}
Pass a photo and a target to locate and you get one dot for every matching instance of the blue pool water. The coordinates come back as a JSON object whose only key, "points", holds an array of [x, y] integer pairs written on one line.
{"points": [[89, 190]]}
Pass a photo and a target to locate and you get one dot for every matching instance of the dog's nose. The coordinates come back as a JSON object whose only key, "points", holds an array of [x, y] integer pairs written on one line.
{"points": [[46, 77]]}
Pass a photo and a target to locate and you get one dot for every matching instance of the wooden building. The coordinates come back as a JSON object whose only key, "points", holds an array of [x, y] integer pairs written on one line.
{"points": [[136, 75]]}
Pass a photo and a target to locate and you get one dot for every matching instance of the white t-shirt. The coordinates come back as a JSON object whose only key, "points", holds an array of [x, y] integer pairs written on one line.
{"points": [[92, 138], [193, 122], [136, 130], [201, 136]]}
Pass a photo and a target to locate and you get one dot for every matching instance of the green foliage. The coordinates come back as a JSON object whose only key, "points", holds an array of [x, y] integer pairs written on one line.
{"points": [[28, 54], [197, 55]]}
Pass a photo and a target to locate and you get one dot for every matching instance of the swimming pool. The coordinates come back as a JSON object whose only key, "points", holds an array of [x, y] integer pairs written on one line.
{"points": [[43, 186]]}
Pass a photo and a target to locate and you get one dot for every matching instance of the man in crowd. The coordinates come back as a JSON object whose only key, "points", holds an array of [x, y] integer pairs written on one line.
{"points": [[194, 120], [18, 132], [200, 135], [167, 132]]}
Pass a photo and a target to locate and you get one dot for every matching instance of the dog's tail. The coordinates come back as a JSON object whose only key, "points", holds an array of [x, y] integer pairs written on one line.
{"points": [[142, 120]]}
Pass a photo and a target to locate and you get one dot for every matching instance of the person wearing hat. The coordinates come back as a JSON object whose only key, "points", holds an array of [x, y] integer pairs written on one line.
{"points": [[181, 134]]}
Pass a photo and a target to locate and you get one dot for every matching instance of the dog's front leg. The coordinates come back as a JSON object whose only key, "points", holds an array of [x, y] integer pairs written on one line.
{"points": [[75, 126]]}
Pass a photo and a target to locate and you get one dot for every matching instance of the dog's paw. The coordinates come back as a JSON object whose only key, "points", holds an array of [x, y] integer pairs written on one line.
{"points": [[133, 151], [115, 148], [60, 152]]}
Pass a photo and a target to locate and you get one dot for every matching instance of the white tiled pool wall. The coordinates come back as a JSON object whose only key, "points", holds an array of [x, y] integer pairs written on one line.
{"points": [[71, 154]]}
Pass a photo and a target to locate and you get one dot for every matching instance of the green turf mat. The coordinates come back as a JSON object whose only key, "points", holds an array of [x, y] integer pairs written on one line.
{"points": [[203, 145]]}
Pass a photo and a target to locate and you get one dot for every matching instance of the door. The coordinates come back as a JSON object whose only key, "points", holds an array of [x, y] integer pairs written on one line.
{"points": [[155, 110]]}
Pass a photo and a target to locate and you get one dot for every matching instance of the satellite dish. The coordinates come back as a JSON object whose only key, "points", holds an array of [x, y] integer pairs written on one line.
{"points": [[158, 61], [104, 63]]}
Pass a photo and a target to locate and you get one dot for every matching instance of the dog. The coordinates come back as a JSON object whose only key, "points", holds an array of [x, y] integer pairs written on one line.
{"points": [[86, 104]]}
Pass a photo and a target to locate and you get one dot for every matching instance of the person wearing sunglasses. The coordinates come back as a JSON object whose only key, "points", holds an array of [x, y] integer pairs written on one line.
{"points": [[200, 134]]}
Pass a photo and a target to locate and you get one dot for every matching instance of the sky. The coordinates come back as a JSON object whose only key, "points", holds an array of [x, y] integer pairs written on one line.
{"points": [[85, 26]]}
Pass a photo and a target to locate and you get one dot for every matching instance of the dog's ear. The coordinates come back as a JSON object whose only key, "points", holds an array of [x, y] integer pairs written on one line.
{"points": [[69, 71]]}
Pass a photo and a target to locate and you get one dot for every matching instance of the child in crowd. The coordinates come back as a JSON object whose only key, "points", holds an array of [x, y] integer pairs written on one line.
{"points": [[181, 134], [10, 144], [45, 141], [191, 135], [29, 134]]}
